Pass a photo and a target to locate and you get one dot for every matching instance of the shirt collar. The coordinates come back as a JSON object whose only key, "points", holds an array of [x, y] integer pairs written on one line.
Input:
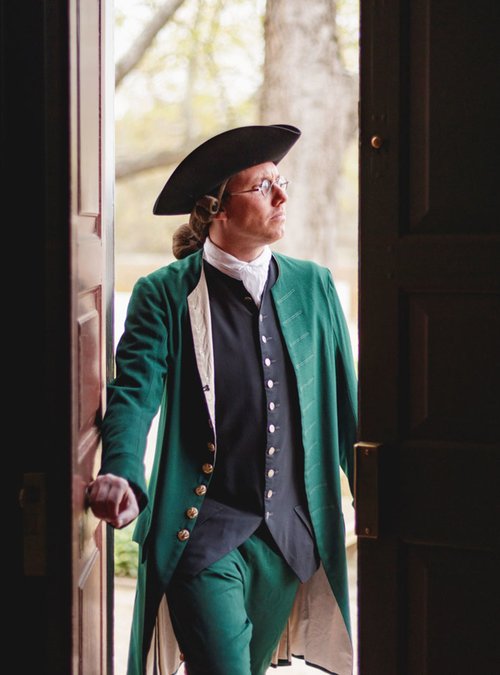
{"points": [[253, 274]]}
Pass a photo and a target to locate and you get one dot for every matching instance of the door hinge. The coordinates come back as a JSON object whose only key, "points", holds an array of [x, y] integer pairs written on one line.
{"points": [[366, 489]]}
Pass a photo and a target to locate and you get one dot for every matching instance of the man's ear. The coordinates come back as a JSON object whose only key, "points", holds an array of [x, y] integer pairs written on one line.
{"points": [[220, 215]]}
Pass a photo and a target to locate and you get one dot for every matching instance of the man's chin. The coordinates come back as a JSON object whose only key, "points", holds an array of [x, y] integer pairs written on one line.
{"points": [[277, 233]]}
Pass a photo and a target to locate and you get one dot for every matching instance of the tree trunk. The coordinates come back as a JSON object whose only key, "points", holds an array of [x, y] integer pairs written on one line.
{"points": [[305, 84]]}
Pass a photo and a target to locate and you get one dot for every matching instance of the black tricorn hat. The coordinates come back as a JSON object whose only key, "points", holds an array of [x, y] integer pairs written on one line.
{"points": [[219, 158]]}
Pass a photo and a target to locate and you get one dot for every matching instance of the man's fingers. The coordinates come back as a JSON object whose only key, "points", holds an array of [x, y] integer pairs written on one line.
{"points": [[129, 509], [106, 495]]}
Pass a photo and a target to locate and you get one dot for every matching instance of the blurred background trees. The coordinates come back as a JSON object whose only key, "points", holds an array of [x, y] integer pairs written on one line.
{"points": [[188, 69]]}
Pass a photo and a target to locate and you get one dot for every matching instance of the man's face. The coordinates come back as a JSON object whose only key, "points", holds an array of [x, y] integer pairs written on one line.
{"points": [[252, 219]]}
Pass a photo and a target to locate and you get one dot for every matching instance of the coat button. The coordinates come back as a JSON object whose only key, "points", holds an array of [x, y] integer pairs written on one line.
{"points": [[270, 473], [192, 512], [200, 490], [183, 535], [271, 428], [211, 447], [272, 405], [207, 468], [268, 495], [267, 362], [271, 450], [270, 384]]}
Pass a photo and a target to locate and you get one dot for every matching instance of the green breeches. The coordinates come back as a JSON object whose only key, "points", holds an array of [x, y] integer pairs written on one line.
{"points": [[229, 618]]}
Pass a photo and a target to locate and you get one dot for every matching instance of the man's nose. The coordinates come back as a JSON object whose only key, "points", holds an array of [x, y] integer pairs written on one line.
{"points": [[278, 194]]}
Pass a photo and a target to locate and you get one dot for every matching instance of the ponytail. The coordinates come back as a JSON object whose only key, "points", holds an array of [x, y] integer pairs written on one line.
{"points": [[191, 236]]}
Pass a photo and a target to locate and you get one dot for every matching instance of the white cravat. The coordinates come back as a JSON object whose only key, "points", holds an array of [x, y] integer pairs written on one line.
{"points": [[253, 274]]}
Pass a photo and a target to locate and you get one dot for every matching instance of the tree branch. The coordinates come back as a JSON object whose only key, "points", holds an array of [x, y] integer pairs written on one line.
{"points": [[129, 60], [129, 166]]}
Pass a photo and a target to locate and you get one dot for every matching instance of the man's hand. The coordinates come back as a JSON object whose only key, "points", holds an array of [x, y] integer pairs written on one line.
{"points": [[112, 499]]}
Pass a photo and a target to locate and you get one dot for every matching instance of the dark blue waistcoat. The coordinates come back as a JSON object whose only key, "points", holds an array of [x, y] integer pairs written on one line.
{"points": [[258, 482]]}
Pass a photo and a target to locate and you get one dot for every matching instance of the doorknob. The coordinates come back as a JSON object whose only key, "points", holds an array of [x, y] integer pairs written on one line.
{"points": [[366, 489]]}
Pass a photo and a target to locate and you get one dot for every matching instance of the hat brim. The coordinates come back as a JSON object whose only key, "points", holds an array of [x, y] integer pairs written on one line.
{"points": [[219, 158]]}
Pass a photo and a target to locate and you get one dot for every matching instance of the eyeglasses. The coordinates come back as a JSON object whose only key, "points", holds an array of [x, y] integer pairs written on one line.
{"points": [[265, 187]]}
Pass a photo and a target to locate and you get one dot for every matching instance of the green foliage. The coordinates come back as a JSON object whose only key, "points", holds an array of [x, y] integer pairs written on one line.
{"points": [[126, 552], [200, 69]]}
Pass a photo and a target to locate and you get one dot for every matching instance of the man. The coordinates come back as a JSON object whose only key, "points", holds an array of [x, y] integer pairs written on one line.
{"points": [[241, 533]]}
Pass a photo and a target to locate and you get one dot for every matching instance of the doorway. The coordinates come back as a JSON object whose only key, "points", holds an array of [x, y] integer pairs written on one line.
{"points": [[187, 70]]}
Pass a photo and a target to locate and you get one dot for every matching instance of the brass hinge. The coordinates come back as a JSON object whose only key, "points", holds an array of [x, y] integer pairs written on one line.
{"points": [[366, 489]]}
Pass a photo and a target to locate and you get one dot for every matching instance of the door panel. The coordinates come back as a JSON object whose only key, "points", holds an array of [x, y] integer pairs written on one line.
{"points": [[449, 643], [446, 497], [428, 465], [450, 105], [90, 214], [445, 401]]}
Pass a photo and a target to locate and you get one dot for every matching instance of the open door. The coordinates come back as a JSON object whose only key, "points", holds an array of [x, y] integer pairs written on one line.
{"points": [[428, 480], [91, 169], [58, 173]]}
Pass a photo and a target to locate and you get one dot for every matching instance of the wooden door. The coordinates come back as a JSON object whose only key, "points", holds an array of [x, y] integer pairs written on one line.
{"points": [[91, 215], [428, 480]]}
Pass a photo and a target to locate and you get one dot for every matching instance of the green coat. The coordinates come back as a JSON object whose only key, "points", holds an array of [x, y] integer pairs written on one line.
{"points": [[163, 306]]}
